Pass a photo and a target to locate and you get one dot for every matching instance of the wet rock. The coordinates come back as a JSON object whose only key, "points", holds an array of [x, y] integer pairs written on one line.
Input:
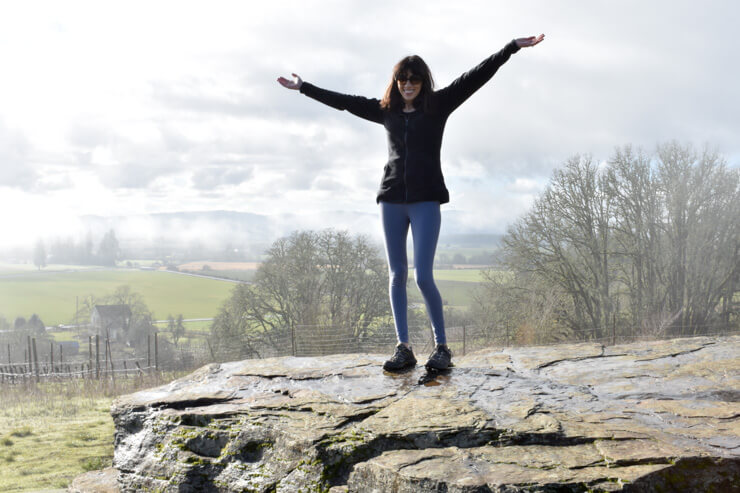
{"points": [[103, 481], [584, 417]]}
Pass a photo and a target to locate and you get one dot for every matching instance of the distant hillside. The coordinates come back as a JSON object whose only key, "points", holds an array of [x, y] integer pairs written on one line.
{"points": [[482, 240], [222, 228]]}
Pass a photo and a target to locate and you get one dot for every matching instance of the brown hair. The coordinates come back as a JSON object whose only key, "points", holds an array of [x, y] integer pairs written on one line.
{"points": [[414, 65]]}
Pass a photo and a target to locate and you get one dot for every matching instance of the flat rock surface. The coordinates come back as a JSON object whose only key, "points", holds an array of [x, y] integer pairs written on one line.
{"points": [[103, 481], [581, 417]]}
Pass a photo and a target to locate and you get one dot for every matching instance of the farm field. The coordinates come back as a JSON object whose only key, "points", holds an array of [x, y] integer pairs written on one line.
{"points": [[51, 295], [463, 275], [197, 266], [9, 269], [458, 294]]}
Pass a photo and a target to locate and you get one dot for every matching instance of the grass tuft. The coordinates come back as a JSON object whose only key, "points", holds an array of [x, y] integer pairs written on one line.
{"points": [[21, 432], [96, 463]]}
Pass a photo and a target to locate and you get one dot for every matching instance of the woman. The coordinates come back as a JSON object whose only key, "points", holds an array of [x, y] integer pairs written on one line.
{"points": [[412, 188]]}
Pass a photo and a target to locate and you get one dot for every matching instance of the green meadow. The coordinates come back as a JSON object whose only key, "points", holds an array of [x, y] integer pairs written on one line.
{"points": [[458, 294], [52, 432], [455, 285], [7, 268], [52, 295], [462, 275], [43, 448]]}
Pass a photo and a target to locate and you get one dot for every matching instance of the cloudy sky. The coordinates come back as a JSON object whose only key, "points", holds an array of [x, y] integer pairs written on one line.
{"points": [[122, 108]]}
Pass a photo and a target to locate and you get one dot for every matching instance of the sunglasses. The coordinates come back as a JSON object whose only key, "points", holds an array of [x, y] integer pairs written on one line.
{"points": [[414, 79]]}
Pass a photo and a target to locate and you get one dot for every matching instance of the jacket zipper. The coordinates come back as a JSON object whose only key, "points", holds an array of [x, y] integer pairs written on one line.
{"points": [[405, 157]]}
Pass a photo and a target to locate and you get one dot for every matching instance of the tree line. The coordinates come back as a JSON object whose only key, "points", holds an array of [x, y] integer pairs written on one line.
{"points": [[83, 252], [639, 245]]}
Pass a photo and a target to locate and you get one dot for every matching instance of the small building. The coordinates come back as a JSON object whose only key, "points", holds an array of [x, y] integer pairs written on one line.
{"points": [[111, 320]]}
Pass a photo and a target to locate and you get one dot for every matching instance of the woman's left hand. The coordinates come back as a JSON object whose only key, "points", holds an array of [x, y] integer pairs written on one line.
{"points": [[530, 41]]}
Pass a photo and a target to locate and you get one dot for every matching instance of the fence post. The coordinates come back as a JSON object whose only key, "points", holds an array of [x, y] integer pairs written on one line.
{"points": [[149, 353], [35, 359], [156, 353], [210, 350], [61, 355], [51, 357], [614, 329], [292, 338], [97, 356], [465, 336], [110, 358], [9, 362], [30, 355], [89, 361]]}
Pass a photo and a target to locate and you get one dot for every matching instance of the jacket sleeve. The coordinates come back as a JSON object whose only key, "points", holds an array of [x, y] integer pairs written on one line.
{"points": [[366, 108], [464, 86]]}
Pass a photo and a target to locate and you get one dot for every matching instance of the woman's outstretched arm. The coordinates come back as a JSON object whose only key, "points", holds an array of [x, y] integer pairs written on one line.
{"points": [[366, 108], [464, 86]]}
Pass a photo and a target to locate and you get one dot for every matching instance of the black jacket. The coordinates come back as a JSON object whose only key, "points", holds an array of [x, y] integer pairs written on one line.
{"points": [[413, 172]]}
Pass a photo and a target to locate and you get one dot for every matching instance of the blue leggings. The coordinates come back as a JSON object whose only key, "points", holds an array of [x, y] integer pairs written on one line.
{"points": [[425, 219]]}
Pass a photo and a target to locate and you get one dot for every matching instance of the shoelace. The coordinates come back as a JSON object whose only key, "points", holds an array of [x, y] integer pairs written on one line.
{"points": [[399, 354]]}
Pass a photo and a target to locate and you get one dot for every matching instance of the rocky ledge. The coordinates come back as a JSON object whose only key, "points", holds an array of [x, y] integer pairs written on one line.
{"points": [[652, 416]]}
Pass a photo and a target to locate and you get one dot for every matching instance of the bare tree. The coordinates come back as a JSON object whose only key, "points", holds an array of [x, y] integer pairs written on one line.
{"points": [[564, 240], [640, 243], [310, 280], [702, 207]]}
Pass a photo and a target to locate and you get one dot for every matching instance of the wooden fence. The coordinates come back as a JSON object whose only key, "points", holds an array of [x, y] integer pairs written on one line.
{"points": [[96, 366]]}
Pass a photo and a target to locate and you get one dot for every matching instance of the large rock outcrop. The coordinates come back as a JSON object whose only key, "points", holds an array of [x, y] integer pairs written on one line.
{"points": [[652, 416]]}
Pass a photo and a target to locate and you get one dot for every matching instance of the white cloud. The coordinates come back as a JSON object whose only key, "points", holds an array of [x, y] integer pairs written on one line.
{"points": [[148, 107], [525, 186]]}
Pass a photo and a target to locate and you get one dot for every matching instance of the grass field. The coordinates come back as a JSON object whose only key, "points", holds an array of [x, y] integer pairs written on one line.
{"points": [[44, 447], [198, 266], [7, 268], [458, 294], [464, 275], [54, 431], [52, 294]]}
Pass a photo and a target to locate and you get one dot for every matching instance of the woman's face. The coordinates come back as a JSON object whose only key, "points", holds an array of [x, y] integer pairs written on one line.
{"points": [[409, 85]]}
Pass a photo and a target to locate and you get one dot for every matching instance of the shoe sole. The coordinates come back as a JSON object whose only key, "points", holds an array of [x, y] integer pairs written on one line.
{"points": [[405, 367], [429, 365]]}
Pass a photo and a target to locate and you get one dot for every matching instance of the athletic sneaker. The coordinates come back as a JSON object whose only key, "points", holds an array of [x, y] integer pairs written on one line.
{"points": [[440, 358], [403, 358]]}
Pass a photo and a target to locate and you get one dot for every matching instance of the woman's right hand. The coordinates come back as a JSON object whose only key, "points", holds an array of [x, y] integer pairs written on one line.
{"points": [[294, 84]]}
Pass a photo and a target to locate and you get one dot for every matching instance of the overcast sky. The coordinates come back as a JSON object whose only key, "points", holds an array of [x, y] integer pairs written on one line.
{"points": [[142, 107]]}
